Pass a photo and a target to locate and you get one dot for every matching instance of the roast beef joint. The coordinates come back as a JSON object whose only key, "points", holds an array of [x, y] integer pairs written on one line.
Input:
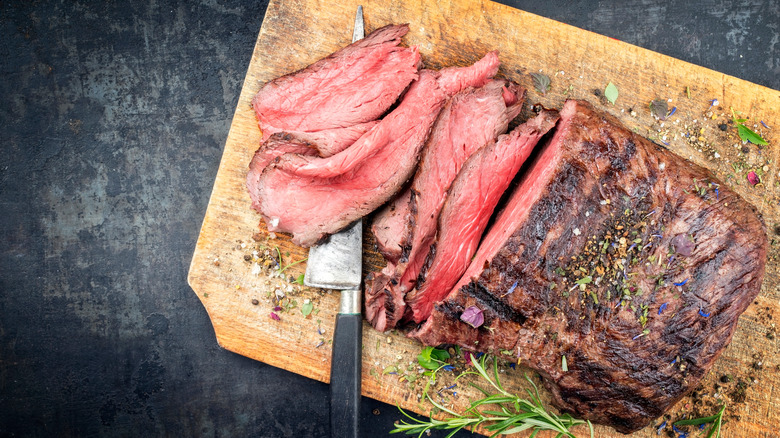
{"points": [[607, 256]]}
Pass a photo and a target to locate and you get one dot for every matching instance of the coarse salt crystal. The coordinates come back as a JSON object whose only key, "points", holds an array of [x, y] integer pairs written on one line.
{"points": [[256, 269], [717, 155], [576, 231], [662, 166]]}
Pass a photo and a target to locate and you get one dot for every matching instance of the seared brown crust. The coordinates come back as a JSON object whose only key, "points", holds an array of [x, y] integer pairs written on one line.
{"points": [[622, 213]]}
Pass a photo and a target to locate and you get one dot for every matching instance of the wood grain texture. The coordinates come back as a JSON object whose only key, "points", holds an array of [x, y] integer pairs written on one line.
{"points": [[580, 64]]}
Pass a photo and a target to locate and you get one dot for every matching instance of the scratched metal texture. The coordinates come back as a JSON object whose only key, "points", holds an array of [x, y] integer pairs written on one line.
{"points": [[112, 122]]}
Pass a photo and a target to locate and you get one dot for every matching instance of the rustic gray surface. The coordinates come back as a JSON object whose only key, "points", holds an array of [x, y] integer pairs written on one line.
{"points": [[112, 123]]}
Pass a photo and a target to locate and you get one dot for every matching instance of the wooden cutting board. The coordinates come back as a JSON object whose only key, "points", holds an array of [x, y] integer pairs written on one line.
{"points": [[235, 270]]}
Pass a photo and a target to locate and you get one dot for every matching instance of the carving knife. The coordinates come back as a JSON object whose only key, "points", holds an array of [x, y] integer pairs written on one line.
{"points": [[337, 264]]}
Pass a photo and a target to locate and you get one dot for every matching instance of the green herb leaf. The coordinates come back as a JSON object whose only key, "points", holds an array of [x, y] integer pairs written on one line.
{"points": [[611, 93], [432, 358], [425, 354], [716, 420], [564, 365], [299, 280], [696, 421], [541, 82], [747, 134], [389, 369], [584, 280], [307, 307], [440, 355]]}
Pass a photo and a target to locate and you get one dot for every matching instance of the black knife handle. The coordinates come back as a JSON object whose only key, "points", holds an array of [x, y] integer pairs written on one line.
{"points": [[345, 376]]}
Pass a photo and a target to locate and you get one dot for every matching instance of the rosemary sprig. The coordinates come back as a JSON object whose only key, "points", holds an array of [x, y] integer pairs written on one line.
{"points": [[716, 420], [511, 414]]}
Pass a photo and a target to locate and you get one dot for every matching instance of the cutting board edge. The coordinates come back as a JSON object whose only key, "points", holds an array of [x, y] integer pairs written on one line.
{"points": [[195, 262]]}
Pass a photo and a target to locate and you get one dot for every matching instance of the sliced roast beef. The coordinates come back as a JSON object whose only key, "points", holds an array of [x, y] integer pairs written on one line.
{"points": [[469, 205], [372, 143], [332, 141], [342, 188], [354, 85], [389, 226], [584, 265], [469, 121], [277, 145]]}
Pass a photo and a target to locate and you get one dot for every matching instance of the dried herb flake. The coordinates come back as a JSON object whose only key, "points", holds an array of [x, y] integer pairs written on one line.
{"points": [[584, 280], [541, 82], [659, 108]]}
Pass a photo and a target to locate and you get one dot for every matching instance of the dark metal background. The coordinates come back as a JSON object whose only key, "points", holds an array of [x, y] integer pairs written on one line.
{"points": [[113, 116]]}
